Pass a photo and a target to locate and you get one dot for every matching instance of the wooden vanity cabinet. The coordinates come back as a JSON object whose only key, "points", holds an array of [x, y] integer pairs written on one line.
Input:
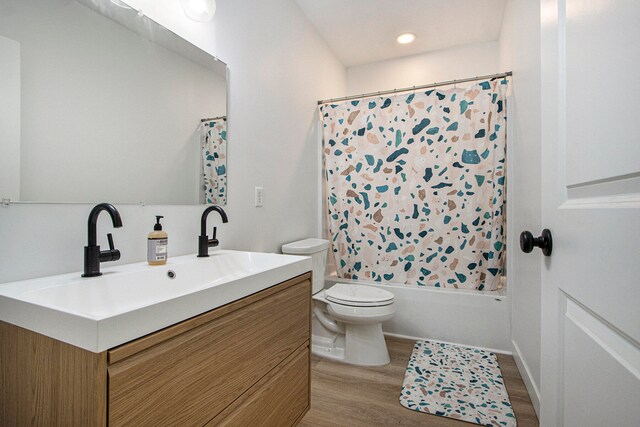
{"points": [[246, 363]]}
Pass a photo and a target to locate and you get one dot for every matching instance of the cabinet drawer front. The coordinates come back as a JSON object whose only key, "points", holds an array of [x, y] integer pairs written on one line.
{"points": [[190, 378], [278, 400]]}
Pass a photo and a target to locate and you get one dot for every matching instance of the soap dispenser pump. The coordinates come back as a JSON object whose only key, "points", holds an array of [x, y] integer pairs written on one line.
{"points": [[157, 242]]}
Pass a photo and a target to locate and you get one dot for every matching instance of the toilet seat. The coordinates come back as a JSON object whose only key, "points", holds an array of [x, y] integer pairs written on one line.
{"points": [[358, 295]]}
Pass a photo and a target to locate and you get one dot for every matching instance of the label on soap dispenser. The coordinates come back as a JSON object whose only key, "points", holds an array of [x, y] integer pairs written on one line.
{"points": [[157, 249]]}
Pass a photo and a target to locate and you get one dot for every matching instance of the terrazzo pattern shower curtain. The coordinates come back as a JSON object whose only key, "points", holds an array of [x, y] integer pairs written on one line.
{"points": [[415, 186], [214, 161]]}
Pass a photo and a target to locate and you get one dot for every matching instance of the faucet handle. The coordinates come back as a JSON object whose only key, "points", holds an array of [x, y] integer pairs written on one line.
{"points": [[110, 239], [213, 241], [112, 254]]}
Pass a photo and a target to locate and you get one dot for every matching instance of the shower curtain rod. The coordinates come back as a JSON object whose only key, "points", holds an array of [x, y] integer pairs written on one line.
{"points": [[408, 89], [213, 118]]}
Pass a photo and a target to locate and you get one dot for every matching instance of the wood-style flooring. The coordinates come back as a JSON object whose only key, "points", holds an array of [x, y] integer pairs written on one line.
{"points": [[347, 395]]}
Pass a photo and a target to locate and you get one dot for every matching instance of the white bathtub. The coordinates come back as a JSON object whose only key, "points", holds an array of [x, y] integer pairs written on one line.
{"points": [[473, 318]]}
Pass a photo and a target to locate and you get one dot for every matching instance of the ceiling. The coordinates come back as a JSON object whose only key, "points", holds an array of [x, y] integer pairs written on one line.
{"points": [[365, 31]]}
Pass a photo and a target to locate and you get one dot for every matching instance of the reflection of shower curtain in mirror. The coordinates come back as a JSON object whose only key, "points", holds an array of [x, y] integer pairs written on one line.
{"points": [[415, 186], [214, 161]]}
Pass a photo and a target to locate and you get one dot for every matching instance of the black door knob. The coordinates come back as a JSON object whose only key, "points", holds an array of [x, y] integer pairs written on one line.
{"points": [[544, 242]]}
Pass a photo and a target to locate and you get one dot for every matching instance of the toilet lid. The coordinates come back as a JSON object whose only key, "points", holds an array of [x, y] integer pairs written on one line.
{"points": [[360, 295]]}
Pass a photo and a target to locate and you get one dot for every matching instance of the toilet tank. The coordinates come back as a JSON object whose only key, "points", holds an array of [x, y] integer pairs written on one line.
{"points": [[315, 248]]}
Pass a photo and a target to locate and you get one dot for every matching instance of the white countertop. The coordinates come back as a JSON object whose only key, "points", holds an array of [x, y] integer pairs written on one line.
{"points": [[133, 300]]}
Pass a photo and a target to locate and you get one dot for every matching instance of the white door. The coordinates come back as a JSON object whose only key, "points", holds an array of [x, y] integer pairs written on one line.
{"points": [[590, 370]]}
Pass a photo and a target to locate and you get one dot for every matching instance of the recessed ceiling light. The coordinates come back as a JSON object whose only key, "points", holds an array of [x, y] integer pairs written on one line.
{"points": [[406, 38], [199, 10]]}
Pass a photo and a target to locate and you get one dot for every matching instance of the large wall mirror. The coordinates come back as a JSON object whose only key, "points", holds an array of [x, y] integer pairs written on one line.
{"points": [[99, 103]]}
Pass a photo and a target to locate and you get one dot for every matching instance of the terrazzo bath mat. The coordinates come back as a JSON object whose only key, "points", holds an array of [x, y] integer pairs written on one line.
{"points": [[456, 382]]}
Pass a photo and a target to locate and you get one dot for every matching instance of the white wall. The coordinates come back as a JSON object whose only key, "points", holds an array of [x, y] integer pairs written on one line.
{"points": [[520, 51], [279, 68], [9, 118], [447, 64]]}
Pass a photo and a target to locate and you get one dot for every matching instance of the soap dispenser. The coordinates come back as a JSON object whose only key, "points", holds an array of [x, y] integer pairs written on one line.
{"points": [[157, 242]]}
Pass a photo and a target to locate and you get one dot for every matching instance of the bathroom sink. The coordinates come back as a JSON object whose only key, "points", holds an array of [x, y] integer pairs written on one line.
{"points": [[133, 300]]}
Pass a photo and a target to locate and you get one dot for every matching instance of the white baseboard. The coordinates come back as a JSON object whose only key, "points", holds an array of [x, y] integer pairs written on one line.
{"points": [[525, 373], [493, 350]]}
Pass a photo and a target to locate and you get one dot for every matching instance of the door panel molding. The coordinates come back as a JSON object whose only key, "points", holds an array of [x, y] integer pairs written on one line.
{"points": [[620, 346], [622, 201], [618, 186], [600, 372], [601, 122]]}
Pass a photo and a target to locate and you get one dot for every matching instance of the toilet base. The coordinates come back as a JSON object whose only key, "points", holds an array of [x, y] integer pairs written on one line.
{"points": [[327, 348], [362, 345], [365, 345]]}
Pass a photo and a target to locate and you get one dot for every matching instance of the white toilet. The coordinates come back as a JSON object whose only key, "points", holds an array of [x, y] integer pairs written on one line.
{"points": [[347, 318]]}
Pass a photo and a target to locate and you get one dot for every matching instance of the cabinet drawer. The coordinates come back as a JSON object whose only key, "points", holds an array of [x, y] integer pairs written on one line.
{"points": [[191, 377], [279, 399]]}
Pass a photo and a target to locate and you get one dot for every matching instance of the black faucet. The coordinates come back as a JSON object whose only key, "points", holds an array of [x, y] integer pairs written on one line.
{"points": [[203, 241], [93, 256]]}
